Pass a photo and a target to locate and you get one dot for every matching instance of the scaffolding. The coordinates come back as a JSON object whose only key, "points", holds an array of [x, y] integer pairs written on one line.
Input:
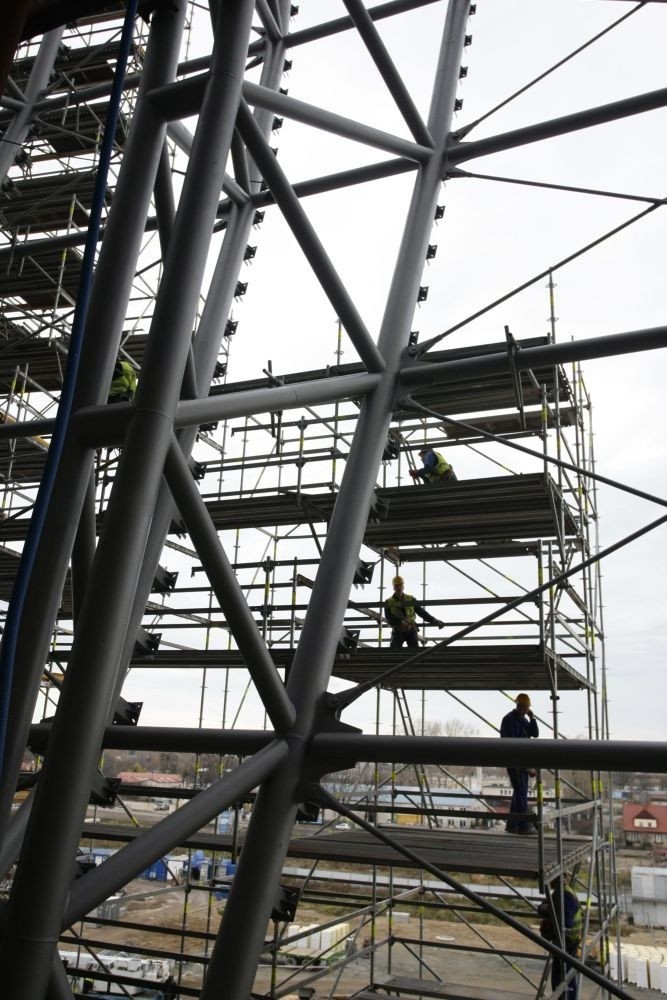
{"points": [[203, 569]]}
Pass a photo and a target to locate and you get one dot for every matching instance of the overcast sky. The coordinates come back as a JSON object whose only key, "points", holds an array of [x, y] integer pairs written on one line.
{"points": [[494, 237]]}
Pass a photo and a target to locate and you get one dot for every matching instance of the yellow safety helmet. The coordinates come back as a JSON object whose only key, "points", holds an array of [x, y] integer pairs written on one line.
{"points": [[397, 581], [523, 699]]}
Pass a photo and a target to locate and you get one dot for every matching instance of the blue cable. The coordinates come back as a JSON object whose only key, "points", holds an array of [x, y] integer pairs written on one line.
{"points": [[35, 528]]}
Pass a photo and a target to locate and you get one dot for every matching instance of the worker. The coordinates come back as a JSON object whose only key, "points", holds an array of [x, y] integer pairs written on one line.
{"points": [[435, 468], [124, 383], [520, 723], [170, 990], [571, 927], [399, 611], [196, 865]]}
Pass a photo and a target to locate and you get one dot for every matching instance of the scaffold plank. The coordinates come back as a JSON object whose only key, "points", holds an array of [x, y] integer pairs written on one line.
{"points": [[463, 667], [498, 509], [469, 851]]}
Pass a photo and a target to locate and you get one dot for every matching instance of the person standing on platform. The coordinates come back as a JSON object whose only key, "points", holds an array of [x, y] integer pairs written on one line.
{"points": [[572, 925], [400, 612], [435, 468], [520, 724]]}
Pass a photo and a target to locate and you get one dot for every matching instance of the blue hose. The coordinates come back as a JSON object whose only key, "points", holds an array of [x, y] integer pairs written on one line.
{"points": [[35, 528]]}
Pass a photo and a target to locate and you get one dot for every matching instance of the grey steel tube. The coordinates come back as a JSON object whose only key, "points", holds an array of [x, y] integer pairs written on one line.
{"points": [[105, 425], [84, 703], [240, 940], [239, 742], [607, 755], [113, 280], [308, 240], [12, 140], [347, 748], [378, 51], [94, 887], [323, 797], [532, 357], [205, 351], [463, 151], [182, 99], [227, 590]]}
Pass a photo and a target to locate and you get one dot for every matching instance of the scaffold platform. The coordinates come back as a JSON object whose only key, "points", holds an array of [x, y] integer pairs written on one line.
{"points": [[487, 667], [468, 851], [464, 394], [503, 508], [45, 203], [397, 986]]}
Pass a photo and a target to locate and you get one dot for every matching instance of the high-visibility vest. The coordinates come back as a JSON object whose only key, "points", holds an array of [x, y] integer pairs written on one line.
{"points": [[402, 607], [573, 933], [125, 383], [441, 468]]}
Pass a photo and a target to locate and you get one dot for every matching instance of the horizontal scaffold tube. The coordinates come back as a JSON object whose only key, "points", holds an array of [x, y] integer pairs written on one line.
{"points": [[534, 357], [239, 742], [106, 424], [98, 884], [604, 755], [344, 749]]}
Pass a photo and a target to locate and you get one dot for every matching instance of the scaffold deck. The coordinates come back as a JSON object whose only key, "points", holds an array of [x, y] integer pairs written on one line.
{"points": [[487, 667], [469, 851], [503, 508]]}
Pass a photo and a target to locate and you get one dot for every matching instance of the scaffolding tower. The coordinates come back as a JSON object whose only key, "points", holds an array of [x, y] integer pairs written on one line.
{"points": [[202, 568]]}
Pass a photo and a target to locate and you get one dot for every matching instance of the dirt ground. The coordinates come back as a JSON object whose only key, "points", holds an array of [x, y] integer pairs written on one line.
{"points": [[201, 912]]}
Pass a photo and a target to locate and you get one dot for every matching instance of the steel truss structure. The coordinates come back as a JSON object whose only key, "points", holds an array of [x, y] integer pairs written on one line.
{"points": [[125, 231]]}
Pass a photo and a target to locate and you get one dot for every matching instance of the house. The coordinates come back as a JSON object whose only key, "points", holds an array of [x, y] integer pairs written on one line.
{"points": [[644, 825], [152, 779]]}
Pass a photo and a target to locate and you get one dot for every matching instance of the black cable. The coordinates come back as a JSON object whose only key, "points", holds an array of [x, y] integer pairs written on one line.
{"points": [[428, 344], [468, 128]]}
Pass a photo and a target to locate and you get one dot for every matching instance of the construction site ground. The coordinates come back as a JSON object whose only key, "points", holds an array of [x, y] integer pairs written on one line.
{"points": [[153, 904]]}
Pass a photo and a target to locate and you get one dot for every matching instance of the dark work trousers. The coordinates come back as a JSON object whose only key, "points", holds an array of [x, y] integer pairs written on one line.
{"points": [[410, 636], [558, 973], [519, 804]]}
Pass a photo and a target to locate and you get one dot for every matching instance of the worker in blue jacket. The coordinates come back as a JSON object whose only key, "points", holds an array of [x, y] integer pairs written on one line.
{"points": [[519, 724]]}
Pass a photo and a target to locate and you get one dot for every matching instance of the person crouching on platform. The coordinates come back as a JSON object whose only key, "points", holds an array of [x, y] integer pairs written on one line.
{"points": [[399, 611], [435, 469], [520, 723]]}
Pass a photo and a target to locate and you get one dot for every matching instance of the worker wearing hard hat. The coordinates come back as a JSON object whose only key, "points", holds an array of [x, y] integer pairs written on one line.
{"points": [[399, 611], [435, 468], [520, 723]]}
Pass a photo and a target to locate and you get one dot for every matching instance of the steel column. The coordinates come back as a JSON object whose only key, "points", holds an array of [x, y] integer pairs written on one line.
{"points": [[111, 289], [82, 710], [241, 935], [12, 141], [227, 590]]}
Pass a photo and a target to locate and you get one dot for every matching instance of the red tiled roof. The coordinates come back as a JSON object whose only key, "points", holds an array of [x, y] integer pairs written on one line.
{"points": [[637, 810], [150, 778]]}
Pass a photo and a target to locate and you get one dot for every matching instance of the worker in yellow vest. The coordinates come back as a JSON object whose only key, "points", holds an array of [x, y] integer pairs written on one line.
{"points": [[399, 611], [124, 383], [435, 468], [571, 921]]}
